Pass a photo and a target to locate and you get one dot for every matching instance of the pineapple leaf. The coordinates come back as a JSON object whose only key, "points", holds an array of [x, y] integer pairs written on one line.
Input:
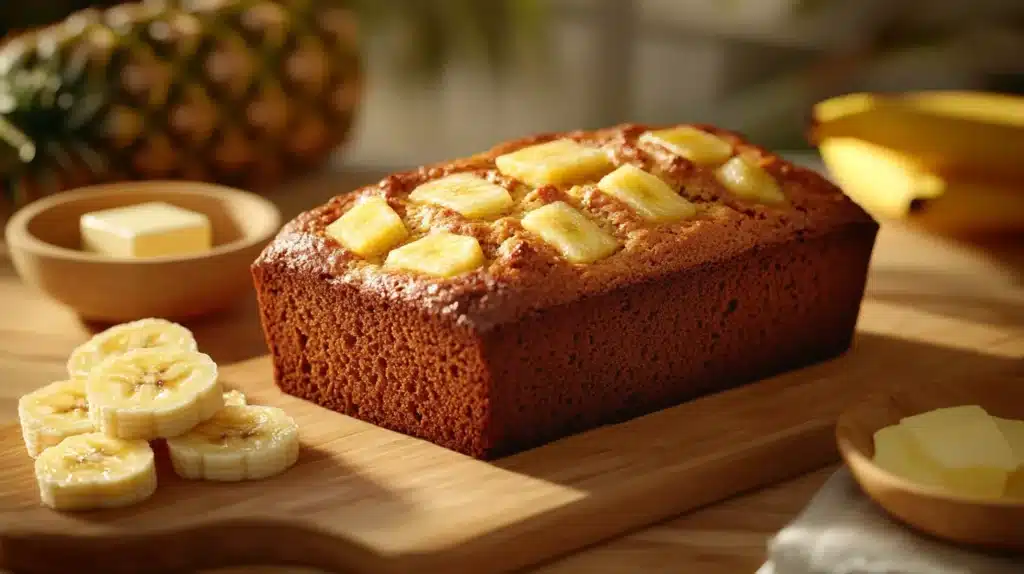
{"points": [[16, 148]]}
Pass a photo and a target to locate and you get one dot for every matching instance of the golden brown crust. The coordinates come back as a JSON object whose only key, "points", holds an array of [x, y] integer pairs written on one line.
{"points": [[523, 274]]}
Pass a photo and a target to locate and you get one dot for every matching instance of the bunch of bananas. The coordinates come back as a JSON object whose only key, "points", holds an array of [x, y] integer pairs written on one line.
{"points": [[949, 161]]}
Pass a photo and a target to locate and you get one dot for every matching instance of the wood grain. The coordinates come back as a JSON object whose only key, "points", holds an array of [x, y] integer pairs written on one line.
{"points": [[365, 499], [934, 310]]}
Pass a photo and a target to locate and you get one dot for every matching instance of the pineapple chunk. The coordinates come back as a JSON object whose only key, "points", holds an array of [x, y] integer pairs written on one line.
{"points": [[577, 238], [749, 181], [556, 162], [696, 145], [470, 195], [647, 194], [369, 228], [441, 254]]}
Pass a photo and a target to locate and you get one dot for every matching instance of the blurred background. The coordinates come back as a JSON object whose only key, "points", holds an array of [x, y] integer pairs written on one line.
{"points": [[450, 77], [751, 65]]}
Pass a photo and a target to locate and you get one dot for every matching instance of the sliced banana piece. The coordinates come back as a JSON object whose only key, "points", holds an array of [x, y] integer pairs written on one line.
{"points": [[647, 194], [441, 254], [141, 334], [238, 443], [576, 237], [52, 413], [748, 180], [557, 162], [466, 193], [89, 471], [235, 398], [153, 393]]}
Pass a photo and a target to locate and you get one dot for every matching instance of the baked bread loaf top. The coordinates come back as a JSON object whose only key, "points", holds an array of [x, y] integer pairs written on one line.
{"points": [[492, 254]]}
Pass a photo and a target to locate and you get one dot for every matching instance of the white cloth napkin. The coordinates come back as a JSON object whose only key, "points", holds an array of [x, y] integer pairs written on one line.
{"points": [[843, 532]]}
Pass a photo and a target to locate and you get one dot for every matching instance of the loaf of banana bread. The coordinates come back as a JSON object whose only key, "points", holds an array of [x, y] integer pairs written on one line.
{"points": [[562, 282]]}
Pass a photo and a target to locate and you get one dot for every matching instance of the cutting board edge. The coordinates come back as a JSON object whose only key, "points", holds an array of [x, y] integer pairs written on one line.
{"points": [[818, 390]]}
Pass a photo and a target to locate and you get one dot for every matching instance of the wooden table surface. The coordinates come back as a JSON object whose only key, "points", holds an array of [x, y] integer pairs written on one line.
{"points": [[968, 288]]}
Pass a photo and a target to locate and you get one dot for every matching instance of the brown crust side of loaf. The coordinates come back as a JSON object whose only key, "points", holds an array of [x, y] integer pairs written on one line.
{"points": [[567, 368], [379, 360], [613, 357]]}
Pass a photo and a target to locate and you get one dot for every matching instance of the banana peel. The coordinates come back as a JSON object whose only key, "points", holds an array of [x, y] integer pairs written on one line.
{"points": [[972, 209], [970, 135], [884, 183], [950, 162]]}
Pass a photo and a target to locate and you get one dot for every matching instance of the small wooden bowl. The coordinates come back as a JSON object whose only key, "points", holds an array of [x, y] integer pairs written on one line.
{"points": [[997, 525], [44, 241]]}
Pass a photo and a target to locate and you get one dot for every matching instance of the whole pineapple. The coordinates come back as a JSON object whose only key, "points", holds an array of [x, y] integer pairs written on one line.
{"points": [[242, 92]]}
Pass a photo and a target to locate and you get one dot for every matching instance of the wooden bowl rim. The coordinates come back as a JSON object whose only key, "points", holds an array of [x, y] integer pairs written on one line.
{"points": [[857, 458], [19, 237]]}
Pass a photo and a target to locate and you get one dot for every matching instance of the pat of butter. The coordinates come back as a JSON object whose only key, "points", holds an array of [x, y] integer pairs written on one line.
{"points": [[896, 452], [1013, 430], [966, 445], [151, 229]]}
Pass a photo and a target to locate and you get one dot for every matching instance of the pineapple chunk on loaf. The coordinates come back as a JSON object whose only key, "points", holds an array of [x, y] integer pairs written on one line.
{"points": [[561, 282]]}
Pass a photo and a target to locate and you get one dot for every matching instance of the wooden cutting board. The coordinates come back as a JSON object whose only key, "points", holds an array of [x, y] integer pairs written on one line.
{"points": [[363, 499]]}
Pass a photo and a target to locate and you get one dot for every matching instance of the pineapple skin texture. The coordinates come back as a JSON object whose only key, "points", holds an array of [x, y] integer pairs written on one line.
{"points": [[241, 92], [530, 347]]}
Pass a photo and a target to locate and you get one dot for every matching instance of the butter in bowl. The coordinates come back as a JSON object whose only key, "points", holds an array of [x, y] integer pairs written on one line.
{"points": [[143, 230], [126, 251], [946, 459]]}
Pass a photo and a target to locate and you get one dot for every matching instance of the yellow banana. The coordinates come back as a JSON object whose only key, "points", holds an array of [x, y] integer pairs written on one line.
{"points": [[890, 185], [881, 181], [972, 208], [959, 135]]}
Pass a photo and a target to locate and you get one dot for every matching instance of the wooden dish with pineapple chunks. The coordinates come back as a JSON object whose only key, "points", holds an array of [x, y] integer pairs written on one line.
{"points": [[45, 242], [950, 513]]}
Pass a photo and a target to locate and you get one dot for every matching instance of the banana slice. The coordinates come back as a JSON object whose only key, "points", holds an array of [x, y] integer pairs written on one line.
{"points": [[577, 238], [238, 443], [153, 393], [646, 194], [468, 194], [441, 254], [141, 334], [52, 413], [89, 471], [235, 398]]}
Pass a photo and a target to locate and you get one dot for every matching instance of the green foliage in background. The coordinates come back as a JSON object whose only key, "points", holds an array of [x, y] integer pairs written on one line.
{"points": [[430, 33]]}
